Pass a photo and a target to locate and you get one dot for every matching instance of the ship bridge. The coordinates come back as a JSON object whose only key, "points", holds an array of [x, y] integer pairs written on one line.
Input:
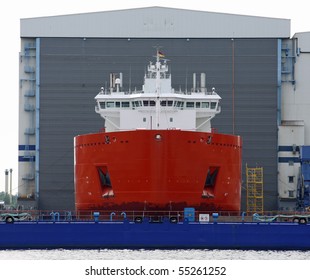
{"points": [[157, 105]]}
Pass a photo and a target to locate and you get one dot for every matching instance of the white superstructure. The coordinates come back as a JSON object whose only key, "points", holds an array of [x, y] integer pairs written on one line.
{"points": [[157, 105]]}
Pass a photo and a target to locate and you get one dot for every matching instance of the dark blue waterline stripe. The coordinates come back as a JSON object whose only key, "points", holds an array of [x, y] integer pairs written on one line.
{"points": [[26, 147]]}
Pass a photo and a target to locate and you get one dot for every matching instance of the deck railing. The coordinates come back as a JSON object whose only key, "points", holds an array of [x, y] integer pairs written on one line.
{"points": [[136, 216]]}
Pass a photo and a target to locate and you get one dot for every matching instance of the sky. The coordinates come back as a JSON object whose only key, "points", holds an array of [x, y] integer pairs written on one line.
{"points": [[12, 11]]}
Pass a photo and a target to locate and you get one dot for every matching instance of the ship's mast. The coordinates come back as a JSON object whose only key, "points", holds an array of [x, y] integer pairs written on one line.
{"points": [[157, 89]]}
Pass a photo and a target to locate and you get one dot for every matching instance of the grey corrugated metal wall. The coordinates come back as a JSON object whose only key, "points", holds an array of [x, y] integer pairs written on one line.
{"points": [[73, 70]]}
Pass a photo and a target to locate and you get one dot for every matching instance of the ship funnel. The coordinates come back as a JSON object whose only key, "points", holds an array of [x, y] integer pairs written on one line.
{"points": [[203, 82], [6, 173]]}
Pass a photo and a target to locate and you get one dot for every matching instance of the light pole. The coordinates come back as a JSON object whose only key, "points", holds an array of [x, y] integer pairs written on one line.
{"points": [[11, 170]]}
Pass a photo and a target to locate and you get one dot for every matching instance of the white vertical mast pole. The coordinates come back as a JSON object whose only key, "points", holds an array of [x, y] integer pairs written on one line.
{"points": [[157, 89], [11, 170]]}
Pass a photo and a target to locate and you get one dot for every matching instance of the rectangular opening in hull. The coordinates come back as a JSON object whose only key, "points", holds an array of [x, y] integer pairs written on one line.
{"points": [[210, 183], [105, 182]]}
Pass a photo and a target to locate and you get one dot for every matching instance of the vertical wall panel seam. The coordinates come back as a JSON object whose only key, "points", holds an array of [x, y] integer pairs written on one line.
{"points": [[279, 82], [37, 162]]}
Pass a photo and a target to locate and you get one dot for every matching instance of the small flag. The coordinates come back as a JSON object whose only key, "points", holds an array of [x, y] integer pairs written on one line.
{"points": [[160, 54]]}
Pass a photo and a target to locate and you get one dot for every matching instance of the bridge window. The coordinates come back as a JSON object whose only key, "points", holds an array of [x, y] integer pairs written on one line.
{"points": [[213, 105], [179, 104], [198, 104], [102, 105], [166, 102], [125, 104], [117, 104], [136, 103], [205, 104], [110, 104], [190, 104], [147, 103]]}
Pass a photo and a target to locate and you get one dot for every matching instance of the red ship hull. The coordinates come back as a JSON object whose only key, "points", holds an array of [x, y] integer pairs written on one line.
{"points": [[157, 170]]}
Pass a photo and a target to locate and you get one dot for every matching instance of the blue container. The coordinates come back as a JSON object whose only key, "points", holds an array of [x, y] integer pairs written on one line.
{"points": [[189, 214]]}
